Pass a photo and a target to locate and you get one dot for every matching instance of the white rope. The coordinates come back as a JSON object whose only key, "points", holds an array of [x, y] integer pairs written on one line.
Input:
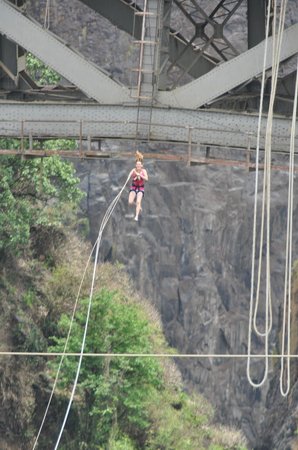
{"points": [[266, 200], [64, 349], [102, 226], [142, 355], [286, 326], [47, 15], [64, 353], [251, 315], [267, 173]]}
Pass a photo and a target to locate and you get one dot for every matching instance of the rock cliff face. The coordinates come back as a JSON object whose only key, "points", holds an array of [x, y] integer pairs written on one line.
{"points": [[191, 254]]}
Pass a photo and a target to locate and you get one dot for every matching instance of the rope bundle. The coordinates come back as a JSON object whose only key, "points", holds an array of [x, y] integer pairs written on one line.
{"points": [[265, 212]]}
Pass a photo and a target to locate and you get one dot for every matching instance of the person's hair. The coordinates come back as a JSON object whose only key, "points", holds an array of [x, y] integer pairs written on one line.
{"points": [[139, 156]]}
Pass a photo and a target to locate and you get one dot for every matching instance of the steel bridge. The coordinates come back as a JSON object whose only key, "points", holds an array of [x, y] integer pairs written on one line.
{"points": [[194, 86]]}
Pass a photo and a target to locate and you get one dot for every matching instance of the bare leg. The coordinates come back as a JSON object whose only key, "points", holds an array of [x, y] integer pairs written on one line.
{"points": [[139, 203], [131, 198]]}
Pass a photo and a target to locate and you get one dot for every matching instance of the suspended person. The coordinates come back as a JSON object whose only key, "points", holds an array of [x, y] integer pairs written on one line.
{"points": [[136, 192]]}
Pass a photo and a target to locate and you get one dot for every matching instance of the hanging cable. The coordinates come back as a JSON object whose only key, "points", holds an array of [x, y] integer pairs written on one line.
{"points": [[266, 198], [286, 326], [102, 226], [64, 350], [255, 215], [96, 245], [277, 40], [47, 15]]}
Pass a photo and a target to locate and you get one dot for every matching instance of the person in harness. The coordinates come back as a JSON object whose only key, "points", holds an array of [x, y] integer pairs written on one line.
{"points": [[136, 192]]}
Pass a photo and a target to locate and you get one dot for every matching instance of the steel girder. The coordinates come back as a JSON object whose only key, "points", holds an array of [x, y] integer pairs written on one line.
{"points": [[12, 65], [202, 39], [96, 84], [119, 122], [122, 14], [229, 74], [55, 53]]}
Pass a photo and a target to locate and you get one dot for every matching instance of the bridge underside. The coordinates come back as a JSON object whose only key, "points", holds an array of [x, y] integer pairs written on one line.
{"points": [[176, 126], [193, 72]]}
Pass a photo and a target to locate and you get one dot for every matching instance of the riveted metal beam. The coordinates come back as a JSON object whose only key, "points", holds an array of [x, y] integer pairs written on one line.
{"points": [[56, 54], [119, 122], [229, 74]]}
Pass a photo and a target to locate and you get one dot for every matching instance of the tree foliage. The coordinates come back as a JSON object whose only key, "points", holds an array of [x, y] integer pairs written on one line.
{"points": [[39, 72], [125, 403], [113, 391], [33, 192]]}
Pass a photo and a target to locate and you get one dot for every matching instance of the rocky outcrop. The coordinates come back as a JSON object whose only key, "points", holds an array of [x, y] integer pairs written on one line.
{"points": [[191, 254]]}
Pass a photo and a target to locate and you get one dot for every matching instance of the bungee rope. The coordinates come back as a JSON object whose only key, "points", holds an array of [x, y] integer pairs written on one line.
{"points": [[266, 200], [64, 353], [252, 315], [101, 229]]}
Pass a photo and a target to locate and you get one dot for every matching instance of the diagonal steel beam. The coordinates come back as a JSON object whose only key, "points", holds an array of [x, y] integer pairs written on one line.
{"points": [[56, 54], [229, 74]]}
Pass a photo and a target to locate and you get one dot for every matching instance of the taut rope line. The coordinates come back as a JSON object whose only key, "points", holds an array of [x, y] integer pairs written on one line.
{"points": [[251, 314], [64, 353], [141, 355], [102, 226]]}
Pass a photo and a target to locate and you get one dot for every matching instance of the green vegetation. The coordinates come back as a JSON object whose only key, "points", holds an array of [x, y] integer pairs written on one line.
{"points": [[39, 72], [121, 403], [130, 403], [114, 391], [33, 193]]}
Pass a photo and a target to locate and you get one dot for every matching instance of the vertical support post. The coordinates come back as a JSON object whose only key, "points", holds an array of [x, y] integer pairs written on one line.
{"points": [[248, 153], [256, 22], [207, 152], [81, 138], [164, 46], [189, 145], [22, 136], [89, 141], [30, 141]]}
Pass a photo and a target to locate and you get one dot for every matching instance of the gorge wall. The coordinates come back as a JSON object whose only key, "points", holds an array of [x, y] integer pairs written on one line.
{"points": [[191, 254]]}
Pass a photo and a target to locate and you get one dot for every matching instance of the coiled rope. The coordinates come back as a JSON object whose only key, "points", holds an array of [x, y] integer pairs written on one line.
{"points": [[96, 246], [266, 198]]}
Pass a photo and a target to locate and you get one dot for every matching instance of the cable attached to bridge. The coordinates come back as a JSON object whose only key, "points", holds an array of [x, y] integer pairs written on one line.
{"points": [[251, 313], [266, 199], [47, 15]]}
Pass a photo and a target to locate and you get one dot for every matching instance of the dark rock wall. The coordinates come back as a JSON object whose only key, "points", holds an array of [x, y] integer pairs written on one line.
{"points": [[191, 254]]}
